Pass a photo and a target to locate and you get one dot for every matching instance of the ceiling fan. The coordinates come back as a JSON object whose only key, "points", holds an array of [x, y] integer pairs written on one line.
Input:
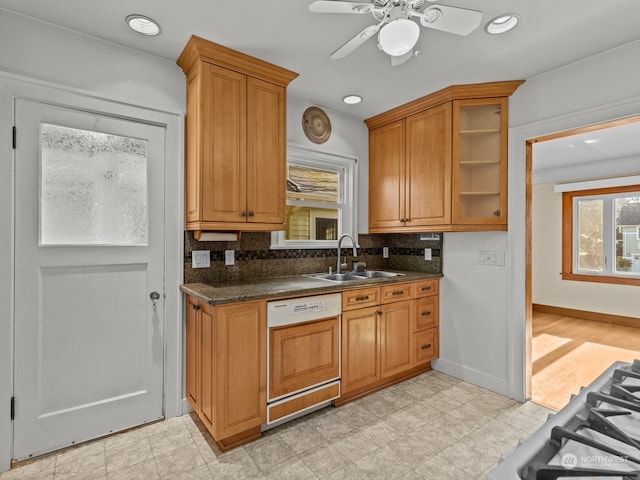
{"points": [[397, 32]]}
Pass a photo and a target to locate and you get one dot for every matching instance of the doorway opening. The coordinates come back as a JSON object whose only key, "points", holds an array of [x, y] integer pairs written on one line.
{"points": [[577, 326]]}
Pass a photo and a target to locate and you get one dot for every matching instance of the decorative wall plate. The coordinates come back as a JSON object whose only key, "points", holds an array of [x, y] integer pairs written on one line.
{"points": [[316, 125]]}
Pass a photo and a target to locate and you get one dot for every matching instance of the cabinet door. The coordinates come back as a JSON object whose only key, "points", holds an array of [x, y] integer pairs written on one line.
{"points": [[207, 406], [294, 365], [266, 152], [480, 161], [387, 177], [396, 337], [240, 368], [224, 140], [192, 334], [360, 348], [429, 167]]}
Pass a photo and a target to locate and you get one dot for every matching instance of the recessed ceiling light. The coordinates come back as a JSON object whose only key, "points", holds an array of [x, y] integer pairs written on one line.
{"points": [[501, 24], [352, 99], [143, 24], [591, 141]]}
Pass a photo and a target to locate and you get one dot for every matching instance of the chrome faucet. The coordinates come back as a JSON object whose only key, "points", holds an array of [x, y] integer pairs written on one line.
{"points": [[355, 251]]}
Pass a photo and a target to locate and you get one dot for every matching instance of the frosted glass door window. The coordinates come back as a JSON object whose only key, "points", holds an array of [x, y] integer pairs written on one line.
{"points": [[93, 188]]}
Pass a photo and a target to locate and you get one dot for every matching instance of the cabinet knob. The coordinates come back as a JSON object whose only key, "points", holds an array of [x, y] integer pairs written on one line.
{"points": [[195, 307], [251, 213], [362, 299], [379, 312], [425, 347], [426, 314], [397, 292], [244, 214], [426, 289]]}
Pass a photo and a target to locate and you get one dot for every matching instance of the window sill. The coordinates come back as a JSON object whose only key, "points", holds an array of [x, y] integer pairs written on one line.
{"points": [[601, 279]]}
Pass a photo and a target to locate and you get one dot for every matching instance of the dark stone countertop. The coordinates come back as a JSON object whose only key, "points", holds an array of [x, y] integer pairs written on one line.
{"points": [[284, 287]]}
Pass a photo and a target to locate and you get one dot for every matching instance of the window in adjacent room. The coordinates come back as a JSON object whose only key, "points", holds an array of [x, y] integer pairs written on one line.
{"points": [[321, 192], [600, 235]]}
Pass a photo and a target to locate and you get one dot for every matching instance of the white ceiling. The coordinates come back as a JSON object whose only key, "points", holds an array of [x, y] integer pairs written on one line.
{"points": [[612, 143], [551, 34]]}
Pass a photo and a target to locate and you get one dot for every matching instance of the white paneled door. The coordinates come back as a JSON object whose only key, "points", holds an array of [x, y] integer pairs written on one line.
{"points": [[89, 281]]}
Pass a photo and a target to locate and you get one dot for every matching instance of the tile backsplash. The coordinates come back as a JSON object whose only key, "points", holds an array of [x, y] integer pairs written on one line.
{"points": [[254, 258]]}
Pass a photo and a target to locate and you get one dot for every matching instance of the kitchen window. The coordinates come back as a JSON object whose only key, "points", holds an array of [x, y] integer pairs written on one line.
{"points": [[321, 192], [600, 235]]}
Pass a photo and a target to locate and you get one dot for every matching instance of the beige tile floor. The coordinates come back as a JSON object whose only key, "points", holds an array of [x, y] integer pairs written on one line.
{"points": [[432, 426]]}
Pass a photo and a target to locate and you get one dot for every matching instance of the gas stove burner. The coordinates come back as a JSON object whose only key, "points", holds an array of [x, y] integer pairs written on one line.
{"points": [[596, 436]]}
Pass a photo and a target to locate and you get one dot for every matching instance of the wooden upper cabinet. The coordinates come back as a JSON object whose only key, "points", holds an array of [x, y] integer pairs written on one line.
{"points": [[410, 171], [266, 152], [480, 161], [235, 139], [439, 163], [428, 171], [387, 176]]}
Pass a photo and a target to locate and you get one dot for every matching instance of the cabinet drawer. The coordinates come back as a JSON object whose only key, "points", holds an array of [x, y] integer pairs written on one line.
{"points": [[427, 313], [394, 293], [425, 346], [426, 287], [361, 297]]}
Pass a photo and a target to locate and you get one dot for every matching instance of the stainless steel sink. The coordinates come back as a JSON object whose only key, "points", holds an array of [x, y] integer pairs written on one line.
{"points": [[377, 274], [336, 277], [353, 276]]}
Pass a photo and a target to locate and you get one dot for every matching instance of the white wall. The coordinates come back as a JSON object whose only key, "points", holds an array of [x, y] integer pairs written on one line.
{"points": [[473, 311], [548, 286], [594, 90], [35, 56], [349, 136]]}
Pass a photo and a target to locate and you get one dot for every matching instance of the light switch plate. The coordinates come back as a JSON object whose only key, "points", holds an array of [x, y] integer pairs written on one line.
{"points": [[385, 252], [200, 259], [229, 258], [495, 259], [427, 254]]}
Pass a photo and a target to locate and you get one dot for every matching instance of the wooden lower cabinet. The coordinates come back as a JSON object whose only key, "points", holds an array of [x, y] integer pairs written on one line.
{"points": [[389, 333], [226, 368], [360, 348], [395, 337]]}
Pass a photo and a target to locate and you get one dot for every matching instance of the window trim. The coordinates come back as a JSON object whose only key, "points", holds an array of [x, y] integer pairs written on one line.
{"points": [[568, 240], [309, 157]]}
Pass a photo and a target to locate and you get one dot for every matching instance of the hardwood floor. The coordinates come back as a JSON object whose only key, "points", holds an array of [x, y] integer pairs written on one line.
{"points": [[569, 352]]}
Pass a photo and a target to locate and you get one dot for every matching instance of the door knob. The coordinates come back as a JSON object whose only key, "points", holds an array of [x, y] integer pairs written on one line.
{"points": [[154, 296]]}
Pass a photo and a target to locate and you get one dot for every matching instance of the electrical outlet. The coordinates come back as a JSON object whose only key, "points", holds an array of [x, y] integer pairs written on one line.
{"points": [[385, 252], [427, 254], [229, 258], [200, 259]]}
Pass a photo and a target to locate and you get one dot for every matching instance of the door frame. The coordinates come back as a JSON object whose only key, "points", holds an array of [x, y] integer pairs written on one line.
{"points": [[521, 140], [12, 86]]}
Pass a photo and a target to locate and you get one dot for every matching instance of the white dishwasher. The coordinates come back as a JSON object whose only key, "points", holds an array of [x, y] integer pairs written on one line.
{"points": [[303, 355]]}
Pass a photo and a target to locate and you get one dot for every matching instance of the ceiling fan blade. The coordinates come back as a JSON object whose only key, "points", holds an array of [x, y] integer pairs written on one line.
{"points": [[355, 42], [461, 21], [336, 6], [400, 59]]}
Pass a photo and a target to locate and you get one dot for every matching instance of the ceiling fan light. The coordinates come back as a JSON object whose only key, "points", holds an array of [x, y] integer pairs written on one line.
{"points": [[399, 36]]}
